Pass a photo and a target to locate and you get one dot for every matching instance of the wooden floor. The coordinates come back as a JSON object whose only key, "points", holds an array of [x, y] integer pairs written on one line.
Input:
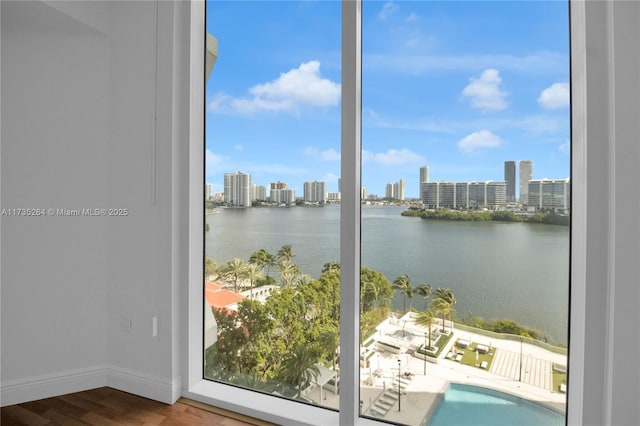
{"points": [[106, 406]]}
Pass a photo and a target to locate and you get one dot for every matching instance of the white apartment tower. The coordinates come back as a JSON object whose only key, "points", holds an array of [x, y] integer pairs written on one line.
{"points": [[395, 190], [208, 191], [424, 174], [399, 190], [466, 195], [526, 173], [315, 192], [550, 194], [388, 191], [237, 189], [283, 196], [259, 192]]}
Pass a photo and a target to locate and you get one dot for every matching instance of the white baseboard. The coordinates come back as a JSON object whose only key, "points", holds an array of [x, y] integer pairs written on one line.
{"points": [[141, 384], [46, 386], [77, 380]]}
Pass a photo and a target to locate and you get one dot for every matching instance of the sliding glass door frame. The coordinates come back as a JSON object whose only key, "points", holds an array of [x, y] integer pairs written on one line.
{"points": [[282, 411]]}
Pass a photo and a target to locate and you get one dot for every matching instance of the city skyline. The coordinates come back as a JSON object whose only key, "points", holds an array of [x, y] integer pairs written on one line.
{"points": [[434, 92], [525, 169]]}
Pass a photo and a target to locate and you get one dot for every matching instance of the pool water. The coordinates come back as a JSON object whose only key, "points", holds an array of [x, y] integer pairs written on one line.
{"points": [[475, 406]]}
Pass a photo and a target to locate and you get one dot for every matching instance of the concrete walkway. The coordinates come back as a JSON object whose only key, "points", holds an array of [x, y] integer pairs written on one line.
{"points": [[420, 395], [535, 371]]}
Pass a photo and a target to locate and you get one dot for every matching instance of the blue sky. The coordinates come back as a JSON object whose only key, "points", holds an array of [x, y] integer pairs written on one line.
{"points": [[458, 86]]}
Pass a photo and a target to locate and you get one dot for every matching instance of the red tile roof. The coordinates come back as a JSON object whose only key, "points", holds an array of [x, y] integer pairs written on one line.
{"points": [[219, 298]]}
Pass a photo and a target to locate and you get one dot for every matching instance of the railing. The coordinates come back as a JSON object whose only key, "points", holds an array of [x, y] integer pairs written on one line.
{"points": [[513, 337]]}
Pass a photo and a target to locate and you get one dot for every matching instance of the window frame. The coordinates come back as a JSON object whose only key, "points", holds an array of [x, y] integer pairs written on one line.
{"points": [[280, 410]]}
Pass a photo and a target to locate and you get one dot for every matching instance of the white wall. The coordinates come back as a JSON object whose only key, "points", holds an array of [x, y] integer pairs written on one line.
{"points": [[55, 97], [79, 92]]}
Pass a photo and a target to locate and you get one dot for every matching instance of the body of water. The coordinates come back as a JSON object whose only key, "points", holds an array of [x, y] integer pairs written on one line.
{"points": [[464, 405], [518, 271]]}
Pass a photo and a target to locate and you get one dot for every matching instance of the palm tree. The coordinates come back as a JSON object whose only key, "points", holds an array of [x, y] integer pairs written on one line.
{"points": [[368, 295], [330, 340], [403, 283], [253, 274], [285, 254], [258, 257], [263, 259], [269, 261], [424, 290], [235, 269], [288, 273], [330, 266], [302, 279], [443, 303], [425, 319], [300, 367]]}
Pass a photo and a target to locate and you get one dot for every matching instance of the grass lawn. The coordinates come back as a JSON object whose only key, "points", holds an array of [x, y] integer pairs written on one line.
{"points": [[469, 357], [558, 379]]}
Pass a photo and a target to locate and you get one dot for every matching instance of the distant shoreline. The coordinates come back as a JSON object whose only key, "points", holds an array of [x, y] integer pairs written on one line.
{"points": [[485, 216]]}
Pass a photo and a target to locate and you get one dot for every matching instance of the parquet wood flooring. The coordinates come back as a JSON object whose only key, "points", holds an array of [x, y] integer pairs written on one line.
{"points": [[107, 406]]}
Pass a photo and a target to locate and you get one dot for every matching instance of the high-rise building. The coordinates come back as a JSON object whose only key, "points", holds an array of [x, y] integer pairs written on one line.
{"points": [[208, 188], [388, 191], [237, 189], [333, 196], [526, 173], [438, 195], [315, 192], [465, 195], [283, 196], [278, 185], [259, 192], [550, 194], [463, 198], [510, 180], [399, 190], [424, 174], [395, 191], [496, 194]]}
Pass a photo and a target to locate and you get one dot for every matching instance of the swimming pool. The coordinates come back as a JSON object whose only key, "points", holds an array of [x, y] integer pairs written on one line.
{"points": [[472, 405]]}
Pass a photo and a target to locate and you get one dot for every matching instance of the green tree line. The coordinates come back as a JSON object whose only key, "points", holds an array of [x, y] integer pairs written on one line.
{"points": [[549, 218]]}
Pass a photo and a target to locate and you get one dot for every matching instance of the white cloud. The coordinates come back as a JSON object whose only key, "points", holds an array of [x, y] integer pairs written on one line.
{"points": [[293, 91], [388, 9], [485, 93], [330, 155], [369, 113], [327, 155], [393, 157], [212, 160], [565, 148], [330, 177], [413, 17], [477, 140], [555, 96], [310, 151], [238, 148]]}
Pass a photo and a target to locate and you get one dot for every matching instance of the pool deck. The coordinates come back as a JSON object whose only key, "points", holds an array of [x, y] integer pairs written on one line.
{"points": [[420, 393]]}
